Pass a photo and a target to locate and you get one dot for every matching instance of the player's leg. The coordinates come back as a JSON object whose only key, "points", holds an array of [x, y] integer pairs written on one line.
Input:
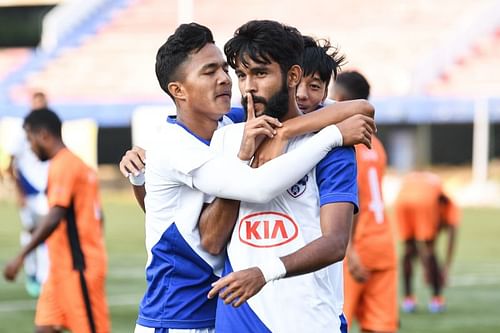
{"points": [[47, 329], [409, 255], [437, 303], [30, 266], [379, 311]]}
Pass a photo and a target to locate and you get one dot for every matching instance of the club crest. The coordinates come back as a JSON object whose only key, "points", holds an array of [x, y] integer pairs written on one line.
{"points": [[299, 188]]}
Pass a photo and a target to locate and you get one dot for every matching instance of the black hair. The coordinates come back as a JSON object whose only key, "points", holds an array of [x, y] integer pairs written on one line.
{"points": [[44, 119], [355, 85], [320, 56], [187, 39], [264, 41]]}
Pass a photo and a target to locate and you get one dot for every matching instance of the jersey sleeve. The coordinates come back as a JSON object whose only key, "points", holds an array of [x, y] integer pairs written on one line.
{"points": [[336, 177], [236, 114]]}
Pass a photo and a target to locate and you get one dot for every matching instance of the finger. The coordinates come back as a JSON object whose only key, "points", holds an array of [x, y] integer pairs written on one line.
{"points": [[261, 131], [123, 169], [271, 120], [250, 107], [241, 300], [216, 287], [265, 124], [141, 153], [233, 296]]}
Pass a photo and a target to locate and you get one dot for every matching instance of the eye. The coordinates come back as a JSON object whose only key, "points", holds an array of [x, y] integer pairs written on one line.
{"points": [[240, 75], [315, 87], [261, 74]]}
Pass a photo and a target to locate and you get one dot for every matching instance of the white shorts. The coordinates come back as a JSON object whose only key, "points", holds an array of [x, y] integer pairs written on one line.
{"points": [[143, 329]]}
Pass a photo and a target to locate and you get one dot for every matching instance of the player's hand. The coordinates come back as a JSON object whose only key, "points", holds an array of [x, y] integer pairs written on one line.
{"points": [[256, 129], [269, 149], [356, 268], [357, 129], [237, 287], [133, 162], [12, 268]]}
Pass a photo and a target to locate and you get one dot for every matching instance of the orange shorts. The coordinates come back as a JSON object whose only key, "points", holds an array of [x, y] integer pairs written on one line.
{"points": [[416, 221], [61, 303], [373, 303]]}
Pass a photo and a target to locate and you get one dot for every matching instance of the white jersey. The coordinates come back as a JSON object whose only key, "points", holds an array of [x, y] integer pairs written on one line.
{"points": [[179, 272], [307, 303], [32, 173]]}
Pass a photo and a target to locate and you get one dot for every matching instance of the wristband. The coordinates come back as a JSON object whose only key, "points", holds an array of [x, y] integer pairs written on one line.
{"points": [[272, 269], [138, 180], [338, 135]]}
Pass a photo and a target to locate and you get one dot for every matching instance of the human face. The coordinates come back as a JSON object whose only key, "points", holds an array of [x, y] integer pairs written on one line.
{"points": [[311, 92], [206, 85], [35, 139], [266, 84]]}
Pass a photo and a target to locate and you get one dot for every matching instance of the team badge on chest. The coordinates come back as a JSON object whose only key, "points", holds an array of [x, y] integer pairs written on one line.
{"points": [[299, 188]]}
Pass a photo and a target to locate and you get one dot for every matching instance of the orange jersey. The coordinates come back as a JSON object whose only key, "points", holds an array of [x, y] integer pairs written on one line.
{"points": [[417, 207], [73, 185], [373, 238]]}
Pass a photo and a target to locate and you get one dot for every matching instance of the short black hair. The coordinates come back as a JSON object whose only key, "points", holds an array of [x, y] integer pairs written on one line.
{"points": [[44, 119], [187, 39], [264, 41], [355, 85], [320, 56]]}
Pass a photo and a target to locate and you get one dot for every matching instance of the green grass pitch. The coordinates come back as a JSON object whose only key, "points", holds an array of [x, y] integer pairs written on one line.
{"points": [[473, 295]]}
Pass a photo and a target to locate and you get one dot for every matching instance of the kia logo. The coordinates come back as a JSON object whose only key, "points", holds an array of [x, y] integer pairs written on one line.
{"points": [[267, 229]]}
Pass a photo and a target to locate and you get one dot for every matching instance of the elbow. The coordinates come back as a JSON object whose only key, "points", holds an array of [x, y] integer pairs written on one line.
{"points": [[212, 246], [338, 252], [367, 108]]}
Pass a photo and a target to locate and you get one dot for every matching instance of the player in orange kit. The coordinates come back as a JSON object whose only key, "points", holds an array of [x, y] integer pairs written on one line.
{"points": [[73, 297], [370, 268], [422, 210]]}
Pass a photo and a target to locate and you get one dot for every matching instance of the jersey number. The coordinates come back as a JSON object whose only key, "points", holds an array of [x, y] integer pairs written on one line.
{"points": [[376, 204]]}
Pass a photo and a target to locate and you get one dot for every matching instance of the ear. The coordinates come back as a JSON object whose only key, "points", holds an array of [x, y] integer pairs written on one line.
{"points": [[177, 90], [294, 76]]}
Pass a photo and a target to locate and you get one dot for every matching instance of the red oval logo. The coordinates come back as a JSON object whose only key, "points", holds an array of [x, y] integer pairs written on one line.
{"points": [[267, 229]]}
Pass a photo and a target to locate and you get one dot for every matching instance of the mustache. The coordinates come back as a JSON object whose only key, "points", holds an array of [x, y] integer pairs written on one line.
{"points": [[256, 99]]}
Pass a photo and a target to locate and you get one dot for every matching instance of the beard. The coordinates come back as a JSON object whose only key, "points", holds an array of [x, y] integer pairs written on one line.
{"points": [[276, 106], [42, 155]]}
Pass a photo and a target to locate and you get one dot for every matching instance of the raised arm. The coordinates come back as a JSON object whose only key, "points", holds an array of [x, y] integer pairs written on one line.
{"points": [[132, 166], [328, 115], [353, 118], [229, 178]]}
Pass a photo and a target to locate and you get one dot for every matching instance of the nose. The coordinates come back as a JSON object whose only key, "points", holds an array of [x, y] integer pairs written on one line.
{"points": [[248, 85], [301, 92], [224, 78]]}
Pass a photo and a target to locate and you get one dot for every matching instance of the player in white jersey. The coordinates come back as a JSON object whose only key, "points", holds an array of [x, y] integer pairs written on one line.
{"points": [[290, 236], [182, 170], [30, 176]]}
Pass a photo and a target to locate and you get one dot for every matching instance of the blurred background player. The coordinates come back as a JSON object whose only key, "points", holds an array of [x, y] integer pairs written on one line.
{"points": [[30, 178], [73, 297], [370, 270], [422, 209]]}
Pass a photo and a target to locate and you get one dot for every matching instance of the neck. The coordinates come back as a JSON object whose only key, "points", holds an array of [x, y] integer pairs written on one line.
{"points": [[293, 109], [199, 124], [56, 148]]}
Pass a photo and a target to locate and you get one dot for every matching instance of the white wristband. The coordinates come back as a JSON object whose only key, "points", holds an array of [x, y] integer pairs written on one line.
{"points": [[138, 180], [272, 269], [339, 140]]}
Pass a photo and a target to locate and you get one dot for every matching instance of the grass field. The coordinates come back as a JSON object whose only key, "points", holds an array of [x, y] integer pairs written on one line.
{"points": [[473, 295]]}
